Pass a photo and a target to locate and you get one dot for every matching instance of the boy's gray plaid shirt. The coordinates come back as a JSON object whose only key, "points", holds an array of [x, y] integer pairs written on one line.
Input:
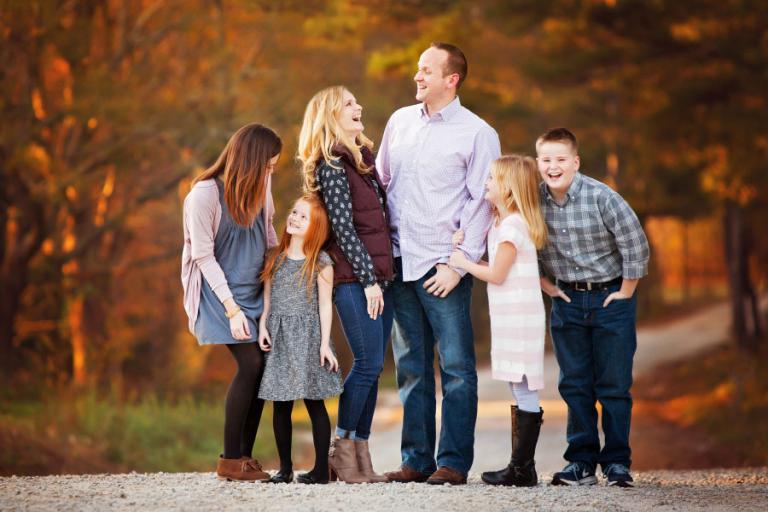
{"points": [[594, 237]]}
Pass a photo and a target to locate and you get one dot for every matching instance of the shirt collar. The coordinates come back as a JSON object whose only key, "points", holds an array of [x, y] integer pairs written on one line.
{"points": [[573, 190], [445, 114], [575, 187]]}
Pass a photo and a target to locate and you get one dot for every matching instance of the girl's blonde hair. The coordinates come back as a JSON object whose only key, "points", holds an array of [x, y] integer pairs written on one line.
{"points": [[518, 179], [320, 131], [317, 235]]}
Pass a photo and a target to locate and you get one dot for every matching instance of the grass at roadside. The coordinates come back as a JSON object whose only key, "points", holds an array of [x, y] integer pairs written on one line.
{"points": [[717, 402], [87, 433]]}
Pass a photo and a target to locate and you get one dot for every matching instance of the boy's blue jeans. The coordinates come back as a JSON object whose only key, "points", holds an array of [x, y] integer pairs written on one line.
{"points": [[368, 341], [422, 321], [594, 347]]}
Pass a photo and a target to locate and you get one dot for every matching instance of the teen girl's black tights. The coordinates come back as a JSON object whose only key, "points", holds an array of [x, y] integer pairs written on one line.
{"points": [[321, 435], [242, 411]]}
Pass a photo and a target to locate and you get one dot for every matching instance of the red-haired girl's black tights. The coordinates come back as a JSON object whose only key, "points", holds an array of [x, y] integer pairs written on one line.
{"points": [[321, 435]]}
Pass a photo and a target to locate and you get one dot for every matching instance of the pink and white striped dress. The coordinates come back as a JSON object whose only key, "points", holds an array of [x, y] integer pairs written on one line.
{"points": [[517, 308]]}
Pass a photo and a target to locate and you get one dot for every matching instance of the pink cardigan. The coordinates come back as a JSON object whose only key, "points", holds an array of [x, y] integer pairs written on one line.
{"points": [[202, 215]]}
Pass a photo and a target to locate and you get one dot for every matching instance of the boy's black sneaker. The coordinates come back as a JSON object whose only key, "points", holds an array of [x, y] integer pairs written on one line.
{"points": [[618, 475], [575, 473]]}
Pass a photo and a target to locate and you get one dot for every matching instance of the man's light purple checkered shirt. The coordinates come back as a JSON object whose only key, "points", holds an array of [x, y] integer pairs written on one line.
{"points": [[434, 168]]}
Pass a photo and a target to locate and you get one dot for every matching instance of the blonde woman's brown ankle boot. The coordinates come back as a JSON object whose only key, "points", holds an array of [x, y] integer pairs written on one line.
{"points": [[342, 462], [364, 463], [243, 469]]}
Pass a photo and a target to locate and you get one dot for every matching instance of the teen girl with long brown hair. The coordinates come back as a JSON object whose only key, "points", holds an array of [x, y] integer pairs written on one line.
{"points": [[227, 230]]}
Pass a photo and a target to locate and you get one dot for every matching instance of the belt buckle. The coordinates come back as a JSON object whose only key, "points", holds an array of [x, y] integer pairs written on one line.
{"points": [[578, 288]]}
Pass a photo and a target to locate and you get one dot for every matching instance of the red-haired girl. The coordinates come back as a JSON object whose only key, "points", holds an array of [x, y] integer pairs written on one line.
{"points": [[295, 331]]}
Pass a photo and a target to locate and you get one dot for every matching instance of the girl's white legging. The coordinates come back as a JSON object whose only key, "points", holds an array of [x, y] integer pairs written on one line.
{"points": [[527, 400]]}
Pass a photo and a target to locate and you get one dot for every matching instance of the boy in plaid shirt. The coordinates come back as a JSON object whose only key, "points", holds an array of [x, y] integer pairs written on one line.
{"points": [[596, 253]]}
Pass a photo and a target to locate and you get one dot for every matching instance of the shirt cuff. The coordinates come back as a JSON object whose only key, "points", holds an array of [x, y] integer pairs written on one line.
{"points": [[459, 271], [369, 279], [634, 270]]}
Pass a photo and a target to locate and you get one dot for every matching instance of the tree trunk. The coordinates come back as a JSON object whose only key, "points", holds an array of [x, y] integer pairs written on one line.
{"points": [[738, 278], [9, 305], [23, 232], [686, 264], [78, 340], [753, 299]]}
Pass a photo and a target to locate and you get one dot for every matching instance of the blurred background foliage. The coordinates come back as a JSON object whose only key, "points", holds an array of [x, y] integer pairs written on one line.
{"points": [[111, 107]]}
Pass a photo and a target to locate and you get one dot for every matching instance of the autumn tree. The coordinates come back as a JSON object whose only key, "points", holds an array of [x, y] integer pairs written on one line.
{"points": [[94, 127], [673, 96]]}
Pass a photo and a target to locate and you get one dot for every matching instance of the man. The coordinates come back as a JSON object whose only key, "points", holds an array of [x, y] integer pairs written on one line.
{"points": [[434, 160]]}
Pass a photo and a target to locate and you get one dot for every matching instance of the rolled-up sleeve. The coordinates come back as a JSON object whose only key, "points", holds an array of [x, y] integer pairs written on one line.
{"points": [[630, 238], [382, 158]]}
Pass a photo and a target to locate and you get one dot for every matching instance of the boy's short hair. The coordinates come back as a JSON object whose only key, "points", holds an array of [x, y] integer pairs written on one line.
{"points": [[456, 63], [562, 135]]}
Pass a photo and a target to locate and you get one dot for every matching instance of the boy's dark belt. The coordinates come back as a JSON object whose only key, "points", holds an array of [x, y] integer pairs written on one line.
{"points": [[589, 287]]}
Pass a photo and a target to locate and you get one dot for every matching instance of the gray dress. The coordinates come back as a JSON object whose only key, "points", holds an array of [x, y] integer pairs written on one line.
{"points": [[292, 368], [239, 252]]}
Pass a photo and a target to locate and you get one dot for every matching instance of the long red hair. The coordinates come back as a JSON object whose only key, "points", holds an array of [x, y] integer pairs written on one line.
{"points": [[317, 234]]}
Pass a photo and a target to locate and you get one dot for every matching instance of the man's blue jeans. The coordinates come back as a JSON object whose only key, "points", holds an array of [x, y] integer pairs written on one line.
{"points": [[595, 347], [368, 341], [422, 321]]}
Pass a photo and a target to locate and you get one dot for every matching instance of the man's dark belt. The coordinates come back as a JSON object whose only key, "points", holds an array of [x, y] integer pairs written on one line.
{"points": [[589, 287]]}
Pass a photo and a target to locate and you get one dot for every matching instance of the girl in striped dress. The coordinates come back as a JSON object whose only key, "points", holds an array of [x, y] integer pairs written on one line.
{"points": [[516, 305]]}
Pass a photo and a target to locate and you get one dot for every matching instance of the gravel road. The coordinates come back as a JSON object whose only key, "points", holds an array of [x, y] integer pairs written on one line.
{"points": [[743, 490], [712, 490]]}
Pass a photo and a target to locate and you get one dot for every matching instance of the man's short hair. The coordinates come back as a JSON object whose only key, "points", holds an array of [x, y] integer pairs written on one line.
{"points": [[562, 135], [456, 62]]}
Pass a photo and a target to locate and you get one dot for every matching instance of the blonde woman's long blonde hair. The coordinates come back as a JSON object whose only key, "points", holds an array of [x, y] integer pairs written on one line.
{"points": [[518, 179], [320, 131]]}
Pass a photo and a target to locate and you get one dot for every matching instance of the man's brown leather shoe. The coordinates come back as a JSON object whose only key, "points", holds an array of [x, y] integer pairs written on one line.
{"points": [[406, 474], [446, 475]]}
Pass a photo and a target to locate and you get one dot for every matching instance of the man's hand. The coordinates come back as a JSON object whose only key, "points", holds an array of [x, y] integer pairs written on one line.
{"points": [[443, 282]]}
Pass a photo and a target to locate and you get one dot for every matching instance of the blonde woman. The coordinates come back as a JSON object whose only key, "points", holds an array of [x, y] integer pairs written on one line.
{"points": [[338, 164], [516, 305]]}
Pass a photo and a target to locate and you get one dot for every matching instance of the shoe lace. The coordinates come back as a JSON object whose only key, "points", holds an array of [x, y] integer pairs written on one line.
{"points": [[616, 470], [251, 465], [574, 467]]}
